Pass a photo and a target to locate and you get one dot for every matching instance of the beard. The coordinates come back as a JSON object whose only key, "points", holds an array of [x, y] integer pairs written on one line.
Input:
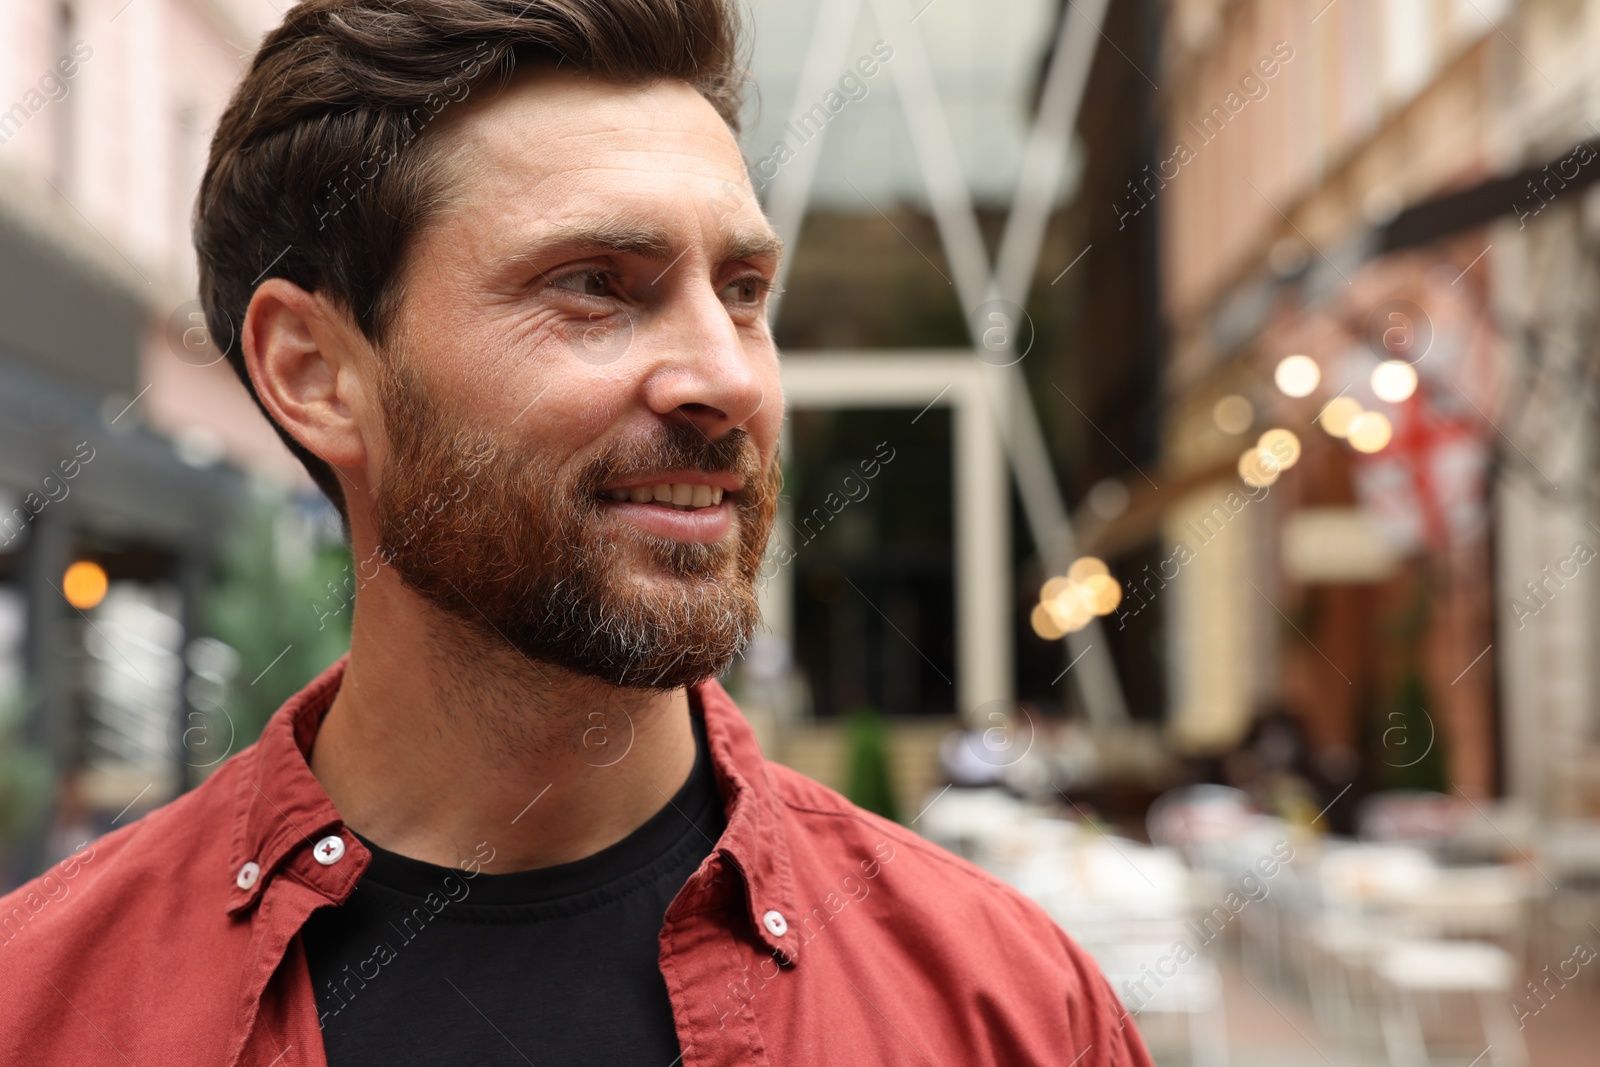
{"points": [[492, 531]]}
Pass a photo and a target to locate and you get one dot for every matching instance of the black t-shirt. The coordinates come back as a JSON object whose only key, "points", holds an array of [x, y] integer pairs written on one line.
{"points": [[425, 965]]}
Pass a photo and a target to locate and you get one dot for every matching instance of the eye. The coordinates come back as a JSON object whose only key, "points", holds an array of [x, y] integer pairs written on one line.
{"points": [[746, 290], [588, 282]]}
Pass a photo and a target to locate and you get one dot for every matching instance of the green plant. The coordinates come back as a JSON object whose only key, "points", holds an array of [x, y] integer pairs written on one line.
{"points": [[26, 776], [282, 597], [868, 782]]}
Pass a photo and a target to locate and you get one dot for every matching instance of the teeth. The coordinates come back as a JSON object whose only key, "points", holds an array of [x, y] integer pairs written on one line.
{"points": [[678, 494]]}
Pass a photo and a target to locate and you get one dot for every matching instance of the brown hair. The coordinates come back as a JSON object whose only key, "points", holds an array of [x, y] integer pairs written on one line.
{"points": [[312, 178]]}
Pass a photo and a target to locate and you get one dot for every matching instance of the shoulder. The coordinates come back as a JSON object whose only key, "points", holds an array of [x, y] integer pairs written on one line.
{"points": [[925, 929], [931, 888]]}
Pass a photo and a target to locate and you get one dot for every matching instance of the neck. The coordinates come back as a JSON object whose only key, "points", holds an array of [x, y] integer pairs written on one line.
{"points": [[441, 741]]}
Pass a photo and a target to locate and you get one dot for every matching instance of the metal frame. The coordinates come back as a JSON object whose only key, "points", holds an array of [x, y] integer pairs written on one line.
{"points": [[1010, 408], [919, 381]]}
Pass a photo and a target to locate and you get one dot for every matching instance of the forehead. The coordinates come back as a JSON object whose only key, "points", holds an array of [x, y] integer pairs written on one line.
{"points": [[553, 144]]}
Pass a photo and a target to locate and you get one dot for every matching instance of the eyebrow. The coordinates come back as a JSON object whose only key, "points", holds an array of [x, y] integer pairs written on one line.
{"points": [[613, 235], [652, 242], [752, 244]]}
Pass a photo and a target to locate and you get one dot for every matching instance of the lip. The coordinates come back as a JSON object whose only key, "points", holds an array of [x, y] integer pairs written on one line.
{"points": [[725, 480], [702, 526]]}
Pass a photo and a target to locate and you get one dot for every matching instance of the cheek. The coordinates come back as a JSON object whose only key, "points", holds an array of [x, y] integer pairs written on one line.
{"points": [[571, 411], [766, 425]]}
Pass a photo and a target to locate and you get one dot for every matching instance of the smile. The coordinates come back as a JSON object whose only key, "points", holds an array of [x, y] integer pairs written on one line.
{"points": [[680, 496]]}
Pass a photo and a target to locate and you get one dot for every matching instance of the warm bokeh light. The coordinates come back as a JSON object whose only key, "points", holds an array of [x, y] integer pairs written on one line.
{"points": [[1086, 567], [1067, 604], [1338, 415], [1282, 445], [1045, 625], [84, 585], [1054, 588], [1102, 593], [1297, 375], [1069, 610], [1370, 432], [1257, 468], [1234, 414], [1394, 380]]}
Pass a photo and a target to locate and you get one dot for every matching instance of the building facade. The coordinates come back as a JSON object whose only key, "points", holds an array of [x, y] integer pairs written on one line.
{"points": [[1332, 190], [122, 431]]}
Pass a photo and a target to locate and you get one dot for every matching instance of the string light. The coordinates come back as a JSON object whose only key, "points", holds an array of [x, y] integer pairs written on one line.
{"points": [[1102, 594], [1282, 445], [1394, 380], [1054, 588], [1069, 610], [1233, 414], [1258, 468], [1044, 624], [1297, 375], [1370, 432], [1068, 603], [1338, 415], [1086, 567]]}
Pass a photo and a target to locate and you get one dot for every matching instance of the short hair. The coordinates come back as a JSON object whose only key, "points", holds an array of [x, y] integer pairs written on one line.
{"points": [[319, 171]]}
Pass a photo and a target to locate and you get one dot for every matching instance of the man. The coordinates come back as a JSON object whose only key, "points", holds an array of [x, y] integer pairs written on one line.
{"points": [[498, 277]]}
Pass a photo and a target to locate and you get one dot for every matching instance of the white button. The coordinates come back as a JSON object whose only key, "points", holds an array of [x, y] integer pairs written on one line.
{"points": [[776, 923], [248, 875], [329, 850]]}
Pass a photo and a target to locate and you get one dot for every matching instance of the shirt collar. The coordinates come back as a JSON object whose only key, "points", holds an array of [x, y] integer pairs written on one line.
{"points": [[282, 811], [755, 841]]}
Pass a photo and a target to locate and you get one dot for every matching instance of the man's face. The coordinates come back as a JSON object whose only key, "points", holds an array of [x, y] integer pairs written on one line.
{"points": [[583, 333]]}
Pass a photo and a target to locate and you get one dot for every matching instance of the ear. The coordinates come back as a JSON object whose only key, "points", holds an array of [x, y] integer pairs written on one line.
{"points": [[309, 365]]}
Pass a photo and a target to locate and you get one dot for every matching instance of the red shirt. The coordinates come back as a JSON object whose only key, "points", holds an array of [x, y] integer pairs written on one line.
{"points": [[815, 932]]}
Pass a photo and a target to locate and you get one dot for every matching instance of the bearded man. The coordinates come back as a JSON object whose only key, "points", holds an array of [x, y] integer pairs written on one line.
{"points": [[498, 278]]}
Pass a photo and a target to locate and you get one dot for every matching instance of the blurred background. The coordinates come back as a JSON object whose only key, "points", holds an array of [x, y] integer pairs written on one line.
{"points": [[1191, 480]]}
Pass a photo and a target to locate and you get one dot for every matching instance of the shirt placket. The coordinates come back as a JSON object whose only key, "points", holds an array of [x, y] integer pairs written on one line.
{"points": [[275, 1020]]}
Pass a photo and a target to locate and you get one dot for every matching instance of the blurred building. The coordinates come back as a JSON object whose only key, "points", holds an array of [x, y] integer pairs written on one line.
{"points": [[1368, 182], [115, 413], [871, 606]]}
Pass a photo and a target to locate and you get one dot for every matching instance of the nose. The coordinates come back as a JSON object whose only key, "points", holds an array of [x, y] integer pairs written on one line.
{"points": [[706, 371]]}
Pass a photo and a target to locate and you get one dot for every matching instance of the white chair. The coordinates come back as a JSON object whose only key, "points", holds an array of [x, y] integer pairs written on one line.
{"points": [[1192, 991], [1364, 893], [1485, 903], [1442, 971]]}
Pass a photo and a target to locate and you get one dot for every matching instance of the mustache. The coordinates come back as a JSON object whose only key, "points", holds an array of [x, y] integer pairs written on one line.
{"points": [[678, 446]]}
